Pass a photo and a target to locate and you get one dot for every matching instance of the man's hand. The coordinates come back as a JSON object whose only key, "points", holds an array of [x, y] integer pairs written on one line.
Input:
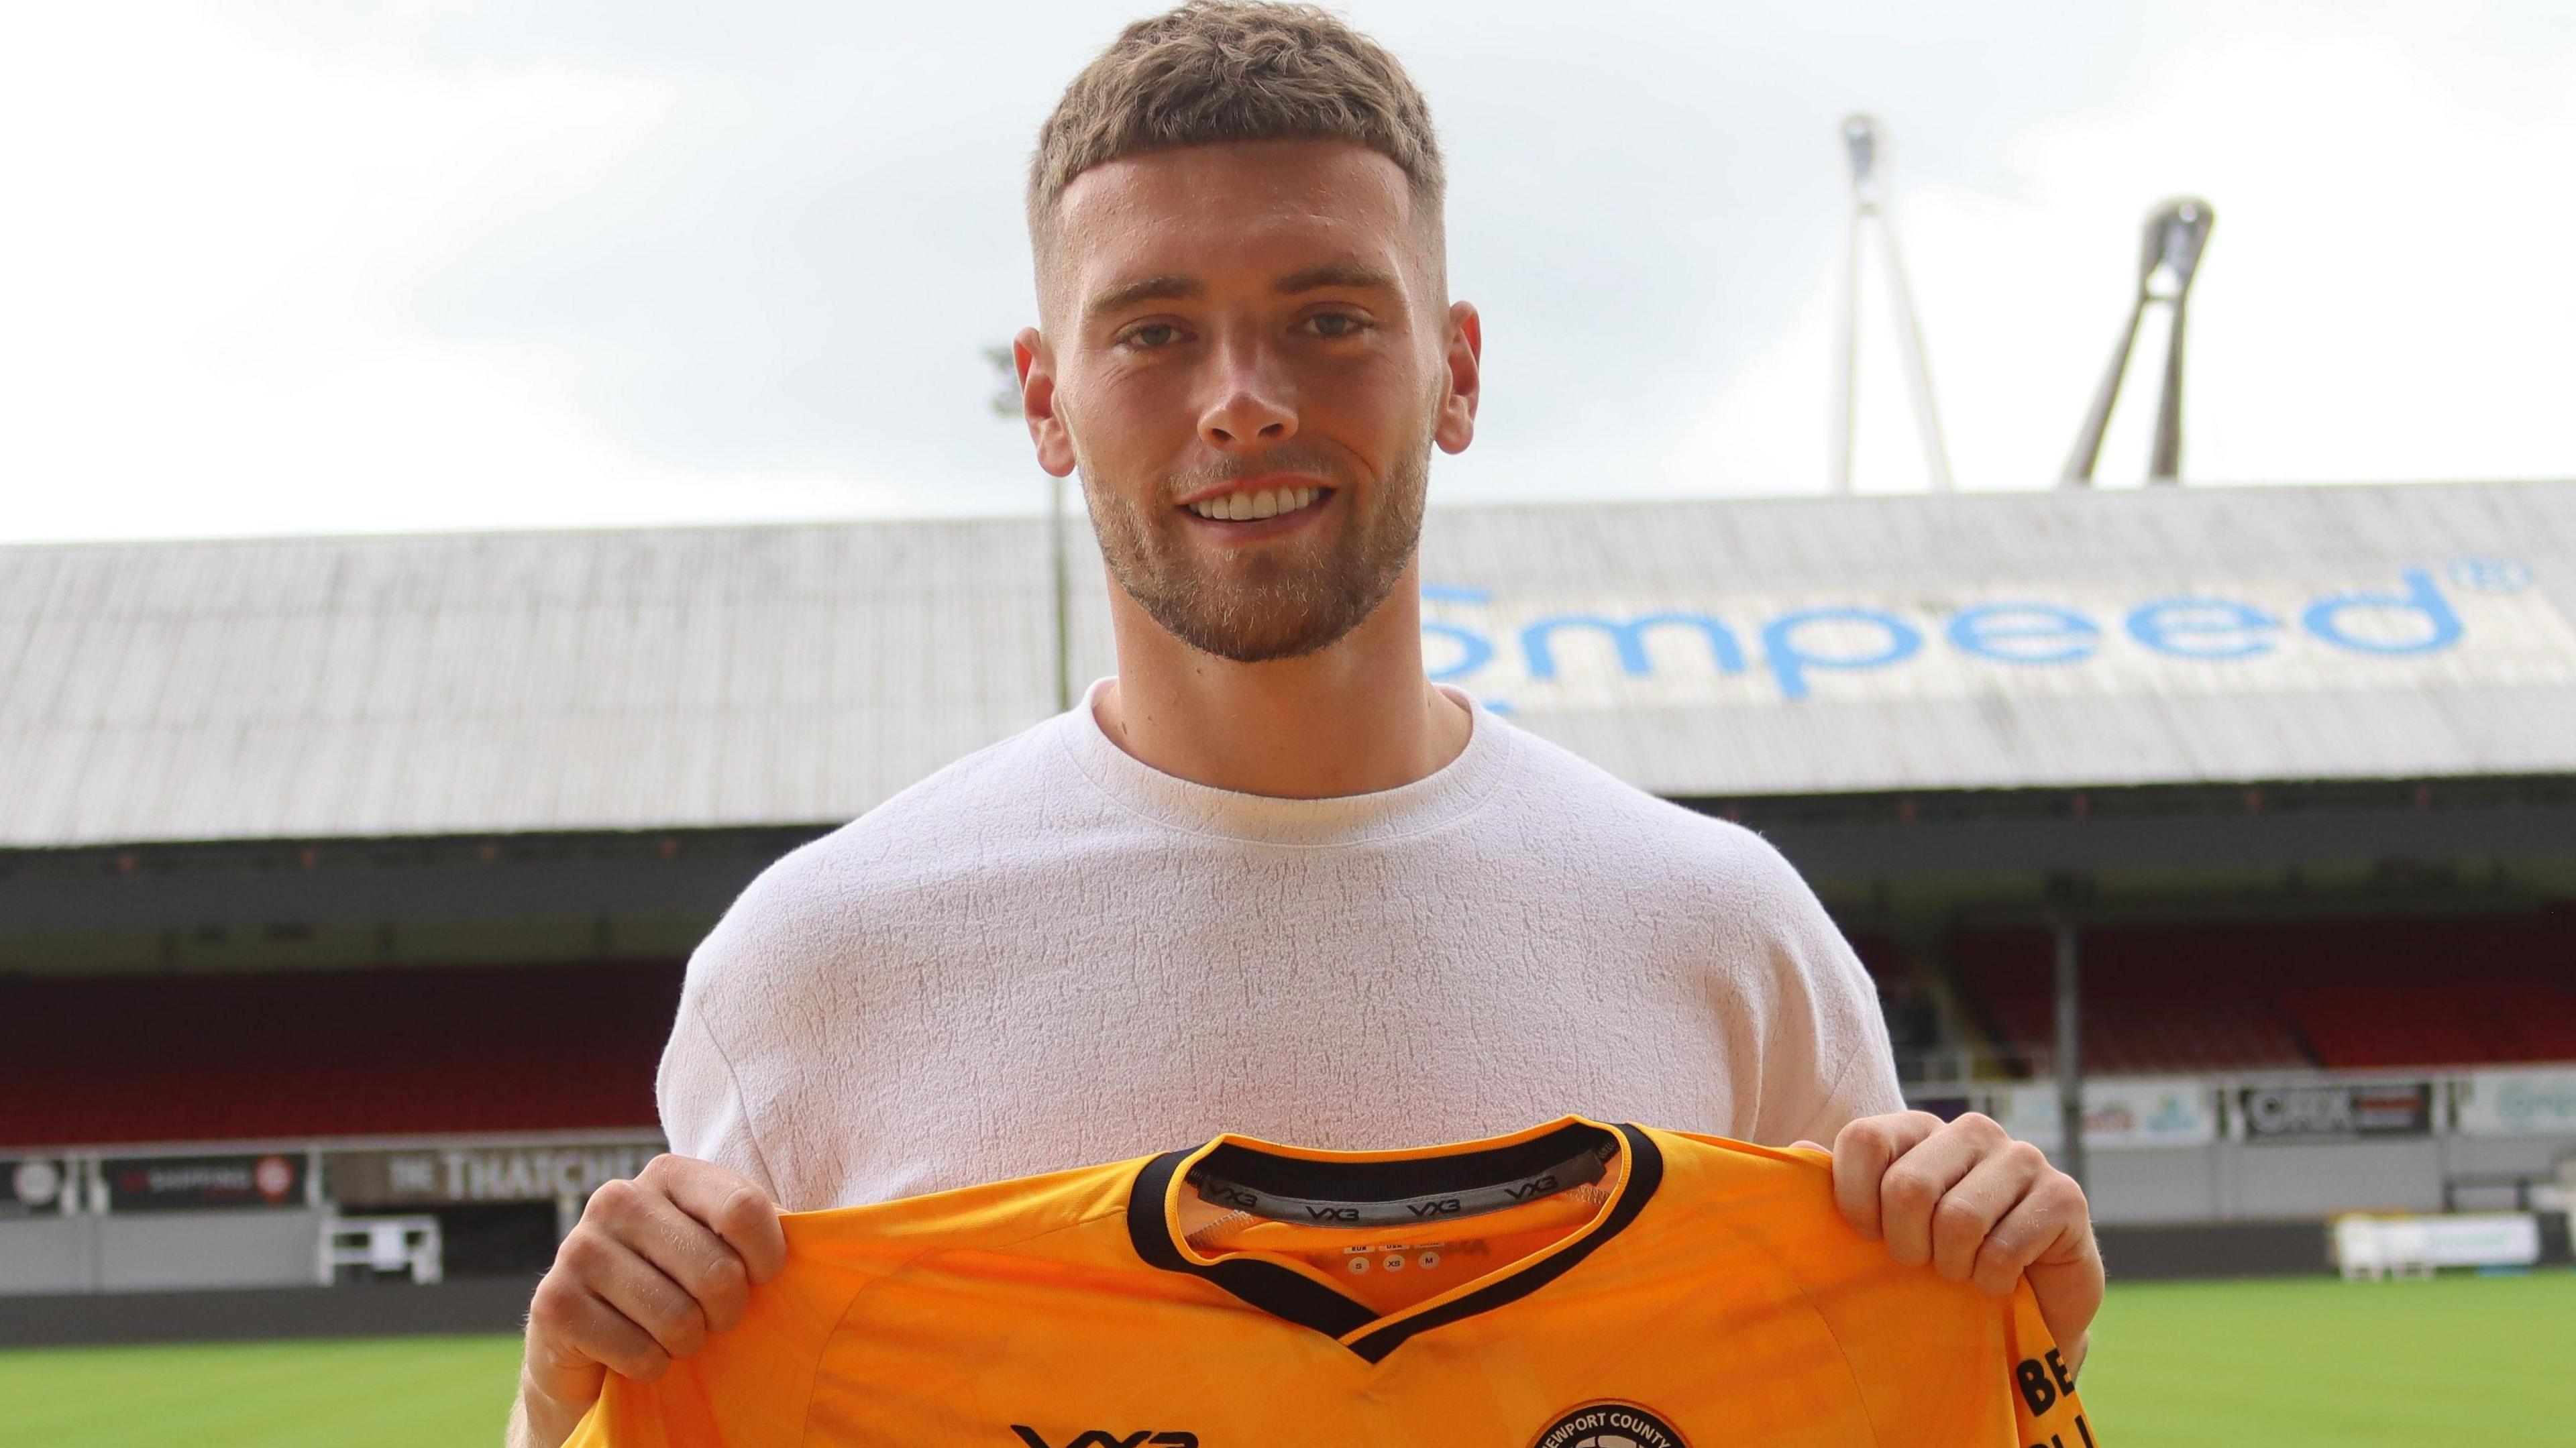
{"points": [[1977, 1205], [654, 1265]]}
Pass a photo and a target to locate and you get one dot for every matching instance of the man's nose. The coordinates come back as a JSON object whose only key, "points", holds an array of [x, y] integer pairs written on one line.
{"points": [[1252, 404]]}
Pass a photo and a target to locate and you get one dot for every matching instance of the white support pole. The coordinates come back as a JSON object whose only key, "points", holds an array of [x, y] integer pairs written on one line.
{"points": [[1918, 369], [1861, 144], [2176, 234], [1847, 362]]}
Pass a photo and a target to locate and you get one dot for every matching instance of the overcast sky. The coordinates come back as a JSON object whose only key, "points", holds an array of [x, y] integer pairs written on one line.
{"points": [[332, 267]]}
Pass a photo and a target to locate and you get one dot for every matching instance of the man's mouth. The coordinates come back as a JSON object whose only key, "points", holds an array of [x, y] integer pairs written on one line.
{"points": [[1254, 504]]}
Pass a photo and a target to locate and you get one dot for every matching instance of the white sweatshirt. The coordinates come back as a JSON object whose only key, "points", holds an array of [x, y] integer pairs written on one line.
{"points": [[1050, 955]]}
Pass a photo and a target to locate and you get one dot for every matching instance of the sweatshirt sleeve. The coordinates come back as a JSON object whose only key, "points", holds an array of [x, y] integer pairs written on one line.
{"points": [[704, 1114], [1826, 1057]]}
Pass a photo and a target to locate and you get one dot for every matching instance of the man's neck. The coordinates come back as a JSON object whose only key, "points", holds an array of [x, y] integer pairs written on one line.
{"points": [[1354, 718]]}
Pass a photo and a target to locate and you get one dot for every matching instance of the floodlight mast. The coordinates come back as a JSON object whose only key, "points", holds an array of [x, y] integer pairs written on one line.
{"points": [[1861, 144], [2176, 235], [1860, 139]]}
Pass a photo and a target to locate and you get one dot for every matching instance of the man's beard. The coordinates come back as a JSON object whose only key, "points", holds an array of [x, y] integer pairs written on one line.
{"points": [[1284, 601]]}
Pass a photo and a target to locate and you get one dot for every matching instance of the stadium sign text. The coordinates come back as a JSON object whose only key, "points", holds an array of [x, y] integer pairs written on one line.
{"points": [[186, 1183], [460, 1175], [2469, 621], [2334, 1112]]}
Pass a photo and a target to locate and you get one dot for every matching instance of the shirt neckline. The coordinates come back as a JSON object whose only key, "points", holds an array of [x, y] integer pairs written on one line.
{"points": [[1153, 1222], [1442, 797]]}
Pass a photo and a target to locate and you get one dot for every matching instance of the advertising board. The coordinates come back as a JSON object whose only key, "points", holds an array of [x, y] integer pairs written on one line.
{"points": [[2119, 1114], [2335, 1111], [2367, 1245], [457, 1176], [33, 1186], [2517, 1103], [2457, 622], [192, 1183]]}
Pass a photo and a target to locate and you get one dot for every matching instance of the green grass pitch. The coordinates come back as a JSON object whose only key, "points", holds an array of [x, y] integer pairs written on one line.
{"points": [[2286, 1364]]}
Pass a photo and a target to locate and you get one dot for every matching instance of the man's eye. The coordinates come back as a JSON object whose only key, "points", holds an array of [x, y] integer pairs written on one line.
{"points": [[1154, 334], [1334, 324]]}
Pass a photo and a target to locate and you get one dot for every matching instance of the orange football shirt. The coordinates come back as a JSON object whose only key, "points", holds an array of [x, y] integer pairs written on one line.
{"points": [[1577, 1285]]}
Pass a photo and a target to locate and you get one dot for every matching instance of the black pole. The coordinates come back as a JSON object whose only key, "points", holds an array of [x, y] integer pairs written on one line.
{"points": [[2070, 1049]]}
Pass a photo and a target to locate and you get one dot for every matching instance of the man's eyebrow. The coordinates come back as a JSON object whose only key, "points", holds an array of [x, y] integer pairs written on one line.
{"points": [[1354, 275], [1143, 289], [1346, 272]]}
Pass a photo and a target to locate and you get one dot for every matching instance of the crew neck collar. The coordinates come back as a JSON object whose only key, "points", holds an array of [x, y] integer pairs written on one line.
{"points": [[1262, 1282], [1442, 797]]}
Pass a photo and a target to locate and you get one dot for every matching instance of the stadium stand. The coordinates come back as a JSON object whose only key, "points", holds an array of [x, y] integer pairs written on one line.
{"points": [[2363, 1027], [2340, 994], [332, 1053], [2136, 1034]]}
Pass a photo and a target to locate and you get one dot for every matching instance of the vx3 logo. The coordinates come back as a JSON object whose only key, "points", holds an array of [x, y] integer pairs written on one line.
{"points": [[1104, 1439]]}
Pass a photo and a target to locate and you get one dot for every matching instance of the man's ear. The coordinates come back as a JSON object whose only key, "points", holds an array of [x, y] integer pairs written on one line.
{"points": [[1457, 426], [1035, 362]]}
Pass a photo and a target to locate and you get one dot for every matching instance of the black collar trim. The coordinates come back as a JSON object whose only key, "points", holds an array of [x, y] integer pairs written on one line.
{"points": [[1300, 1299]]}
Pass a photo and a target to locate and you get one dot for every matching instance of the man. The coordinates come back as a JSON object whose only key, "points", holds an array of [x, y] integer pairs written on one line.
{"points": [[1268, 879]]}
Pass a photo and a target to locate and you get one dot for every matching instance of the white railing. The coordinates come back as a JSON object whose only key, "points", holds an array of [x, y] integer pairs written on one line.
{"points": [[382, 1245]]}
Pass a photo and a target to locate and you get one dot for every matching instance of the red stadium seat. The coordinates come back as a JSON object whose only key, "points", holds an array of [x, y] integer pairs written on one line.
{"points": [[2344, 994], [2363, 1027], [402, 1050]]}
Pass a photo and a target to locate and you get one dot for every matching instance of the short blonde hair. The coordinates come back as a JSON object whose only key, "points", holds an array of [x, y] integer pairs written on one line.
{"points": [[1226, 70]]}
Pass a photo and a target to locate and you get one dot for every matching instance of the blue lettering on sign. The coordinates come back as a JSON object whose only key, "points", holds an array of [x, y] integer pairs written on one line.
{"points": [[1789, 663], [2490, 575], [1474, 649], [1630, 637], [2203, 628], [2441, 625], [2024, 633], [2414, 618]]}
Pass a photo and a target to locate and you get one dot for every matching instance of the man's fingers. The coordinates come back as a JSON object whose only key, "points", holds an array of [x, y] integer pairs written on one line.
{"points": [[652, 1268], [2065, 1271], [1862, 1152], [1977, 1205], [573, 1335], [1912, 1187], [731, 1207], [614, 1274], [609, 1338], [2015, 1243], [681, 1248], [1969, 1212]]}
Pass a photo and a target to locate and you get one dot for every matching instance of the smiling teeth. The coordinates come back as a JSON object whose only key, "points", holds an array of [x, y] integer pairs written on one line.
{"points": [[1245, 507]]}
